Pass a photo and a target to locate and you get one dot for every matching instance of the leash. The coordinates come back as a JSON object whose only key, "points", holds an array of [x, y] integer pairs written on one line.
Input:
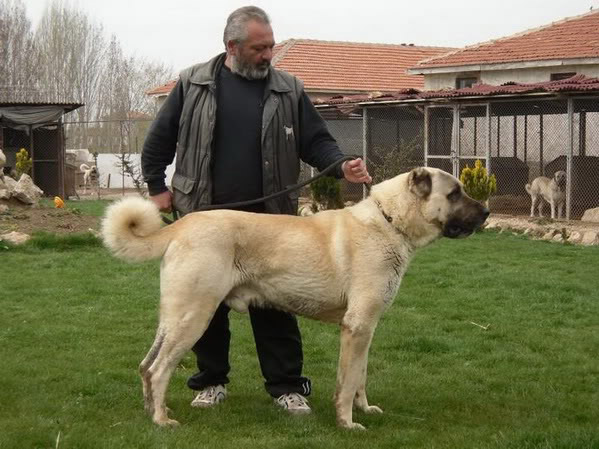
{"points": [[268, 197]]}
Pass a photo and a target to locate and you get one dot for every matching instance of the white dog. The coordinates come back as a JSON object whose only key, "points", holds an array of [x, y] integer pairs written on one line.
{"points": [[90, 177], [551, 191], [341, 266]]}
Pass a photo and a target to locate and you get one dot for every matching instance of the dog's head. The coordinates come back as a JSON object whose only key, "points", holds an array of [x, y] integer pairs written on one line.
{"points": [[560, 178], [427, 203]]}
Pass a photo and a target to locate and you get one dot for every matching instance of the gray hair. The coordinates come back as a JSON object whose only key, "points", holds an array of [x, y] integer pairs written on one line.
{"points": [[236, 28]]}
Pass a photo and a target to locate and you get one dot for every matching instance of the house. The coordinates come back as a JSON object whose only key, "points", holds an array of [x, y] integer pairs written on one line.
{"points": [[330, 68], [552, 52]]}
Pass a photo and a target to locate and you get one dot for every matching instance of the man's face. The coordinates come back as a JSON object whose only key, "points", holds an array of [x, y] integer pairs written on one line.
{"points": [[251, 58]]}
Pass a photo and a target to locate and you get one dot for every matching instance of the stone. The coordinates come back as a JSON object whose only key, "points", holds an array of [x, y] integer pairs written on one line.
{"points": [[3, 208], [590, 238], [575, 237], [26, 191], [549, 235], [591, 215], [558, 238], [16, 238]]}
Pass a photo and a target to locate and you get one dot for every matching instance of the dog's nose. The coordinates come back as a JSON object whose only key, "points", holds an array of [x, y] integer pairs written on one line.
{"points": [[486, 213]]}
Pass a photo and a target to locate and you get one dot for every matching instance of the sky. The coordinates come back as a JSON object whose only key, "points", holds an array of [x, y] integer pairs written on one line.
{"points": [[181, 33]]}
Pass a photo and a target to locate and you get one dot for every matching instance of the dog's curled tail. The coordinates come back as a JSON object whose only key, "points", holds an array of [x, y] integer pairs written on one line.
{"points": [[130, 230], [527, 187]]}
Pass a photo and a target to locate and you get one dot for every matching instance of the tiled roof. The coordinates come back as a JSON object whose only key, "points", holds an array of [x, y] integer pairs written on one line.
{"points": [[162, 90], [576, 84], [347, 66], [570, 38]]}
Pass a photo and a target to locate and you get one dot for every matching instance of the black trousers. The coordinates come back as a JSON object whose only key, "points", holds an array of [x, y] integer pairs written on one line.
{"points": [[278, 343], [279, 346]]}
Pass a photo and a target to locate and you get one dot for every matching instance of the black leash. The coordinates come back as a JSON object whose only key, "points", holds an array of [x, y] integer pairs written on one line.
{"points": [[266, 198]]}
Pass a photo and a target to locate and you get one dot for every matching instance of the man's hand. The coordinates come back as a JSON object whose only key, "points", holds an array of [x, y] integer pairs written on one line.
{"points": [[163, 200], [355, 171]]}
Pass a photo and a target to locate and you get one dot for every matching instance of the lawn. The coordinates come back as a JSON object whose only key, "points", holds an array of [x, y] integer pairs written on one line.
{"points": [[492, 343]]}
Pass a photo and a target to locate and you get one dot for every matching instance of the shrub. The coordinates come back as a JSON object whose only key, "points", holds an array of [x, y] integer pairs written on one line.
{"points": [[326, 193], [24, 163], [477, 182]]}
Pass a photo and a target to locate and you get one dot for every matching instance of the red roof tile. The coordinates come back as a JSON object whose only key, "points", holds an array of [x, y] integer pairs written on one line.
{"points": [[572, 37], [576, 84], [346, 66], [162, 90]]}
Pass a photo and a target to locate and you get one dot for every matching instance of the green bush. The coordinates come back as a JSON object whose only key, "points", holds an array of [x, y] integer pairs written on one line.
{"points": [[326, 193], [24, 163], [477, 182]]}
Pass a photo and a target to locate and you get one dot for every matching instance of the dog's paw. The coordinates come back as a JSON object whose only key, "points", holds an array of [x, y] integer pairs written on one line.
{"points": [[351, 425], [373, 410], [167, 422]]}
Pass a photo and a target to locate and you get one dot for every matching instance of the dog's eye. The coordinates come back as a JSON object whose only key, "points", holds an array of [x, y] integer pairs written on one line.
{"points": [[455, 194]]}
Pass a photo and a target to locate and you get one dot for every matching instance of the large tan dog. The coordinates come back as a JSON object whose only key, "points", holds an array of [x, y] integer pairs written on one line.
{"points": [[341, 266], [552, 191]]}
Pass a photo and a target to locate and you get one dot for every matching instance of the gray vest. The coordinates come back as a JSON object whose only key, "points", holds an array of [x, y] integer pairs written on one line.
{"points": [[192, 183]]}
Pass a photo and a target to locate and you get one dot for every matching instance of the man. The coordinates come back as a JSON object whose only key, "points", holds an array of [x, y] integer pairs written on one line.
{"points": [[239, 128]]}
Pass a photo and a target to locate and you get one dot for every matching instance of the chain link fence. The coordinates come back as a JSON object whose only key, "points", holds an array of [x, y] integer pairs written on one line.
{"points": [[517, 140]]}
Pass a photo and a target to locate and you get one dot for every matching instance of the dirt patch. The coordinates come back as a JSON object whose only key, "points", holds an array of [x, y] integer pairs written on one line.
{"points": [[30, 219]]}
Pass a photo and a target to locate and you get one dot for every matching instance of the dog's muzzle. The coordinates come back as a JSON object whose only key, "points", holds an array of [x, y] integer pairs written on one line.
{"points": [[458, 227]]}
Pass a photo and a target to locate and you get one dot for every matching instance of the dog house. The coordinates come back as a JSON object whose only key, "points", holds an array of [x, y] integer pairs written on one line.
{"points": [[38, 128]]}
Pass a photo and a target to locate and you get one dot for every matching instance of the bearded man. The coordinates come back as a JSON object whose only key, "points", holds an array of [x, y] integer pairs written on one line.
{"points": [[239, 128]]}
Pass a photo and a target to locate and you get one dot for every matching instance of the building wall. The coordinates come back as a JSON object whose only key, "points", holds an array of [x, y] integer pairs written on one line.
{"points": [[497, 77]]}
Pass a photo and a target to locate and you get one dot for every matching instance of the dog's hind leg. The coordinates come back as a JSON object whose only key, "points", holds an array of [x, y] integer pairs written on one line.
{"points": [[143, 368], [182, 323], [533, 200]]}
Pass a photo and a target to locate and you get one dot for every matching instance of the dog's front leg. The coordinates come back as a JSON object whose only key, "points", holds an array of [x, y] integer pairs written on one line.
{"points": [[552, 204], [361, 400], [356, 334]]}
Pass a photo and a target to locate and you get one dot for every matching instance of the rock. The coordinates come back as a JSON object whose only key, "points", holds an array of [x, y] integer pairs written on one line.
{"points": [[5, 189], [26, 191], [575, 237], [16, 238], [590, 238], [3, 208], [549, 235], [591, 215], [558, 238]]}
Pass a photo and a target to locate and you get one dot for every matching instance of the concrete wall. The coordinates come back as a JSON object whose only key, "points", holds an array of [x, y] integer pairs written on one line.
{"points": [[497, 77]]}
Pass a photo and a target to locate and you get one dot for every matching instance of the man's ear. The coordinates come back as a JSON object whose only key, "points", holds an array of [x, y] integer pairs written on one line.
{"points": [[420, 182]]}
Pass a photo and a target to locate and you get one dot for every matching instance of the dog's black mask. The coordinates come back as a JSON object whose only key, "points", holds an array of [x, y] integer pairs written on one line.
{"points": [[459, 227]]}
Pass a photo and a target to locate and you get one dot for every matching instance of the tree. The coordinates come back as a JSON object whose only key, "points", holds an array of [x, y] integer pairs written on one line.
{"points": [[17, 54]]}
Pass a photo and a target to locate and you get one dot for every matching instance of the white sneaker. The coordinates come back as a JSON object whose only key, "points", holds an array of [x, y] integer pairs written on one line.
{"points": [[294, 403], [210, 396]]}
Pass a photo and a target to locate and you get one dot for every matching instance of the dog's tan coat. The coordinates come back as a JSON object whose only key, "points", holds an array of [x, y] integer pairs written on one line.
{"points": [[343, 266]]}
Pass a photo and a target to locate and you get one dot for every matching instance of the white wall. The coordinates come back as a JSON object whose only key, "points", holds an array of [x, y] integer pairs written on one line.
{"points": [[497, 77], [107, 166]]}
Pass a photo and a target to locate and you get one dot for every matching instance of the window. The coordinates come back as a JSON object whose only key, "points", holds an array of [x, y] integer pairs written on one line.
{"points": [[461, 83], [561, 76]]}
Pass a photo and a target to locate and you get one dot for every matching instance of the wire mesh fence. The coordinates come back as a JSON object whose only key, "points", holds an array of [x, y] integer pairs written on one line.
{"points": [[518, 140]]}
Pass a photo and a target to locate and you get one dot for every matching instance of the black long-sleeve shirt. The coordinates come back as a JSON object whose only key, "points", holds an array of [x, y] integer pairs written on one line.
{"points": [[236, 159]]}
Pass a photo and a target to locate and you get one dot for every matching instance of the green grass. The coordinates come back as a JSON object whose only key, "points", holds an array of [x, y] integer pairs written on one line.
{"points": [[75, 323]]}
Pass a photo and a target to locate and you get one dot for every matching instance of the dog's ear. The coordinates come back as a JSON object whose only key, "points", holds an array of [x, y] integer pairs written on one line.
{"points": [[420, 182]]}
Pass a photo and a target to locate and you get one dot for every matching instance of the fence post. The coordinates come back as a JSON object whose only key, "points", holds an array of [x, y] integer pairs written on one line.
{"points": [[426, 127], [488, 139], [364, 143], [569, 157]]}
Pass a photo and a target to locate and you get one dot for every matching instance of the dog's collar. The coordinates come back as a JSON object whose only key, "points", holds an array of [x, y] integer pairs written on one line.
{"points": [[387, 217]]}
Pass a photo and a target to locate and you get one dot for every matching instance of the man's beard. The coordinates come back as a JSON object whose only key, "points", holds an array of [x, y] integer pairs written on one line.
{"points": [[248, 70]]}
